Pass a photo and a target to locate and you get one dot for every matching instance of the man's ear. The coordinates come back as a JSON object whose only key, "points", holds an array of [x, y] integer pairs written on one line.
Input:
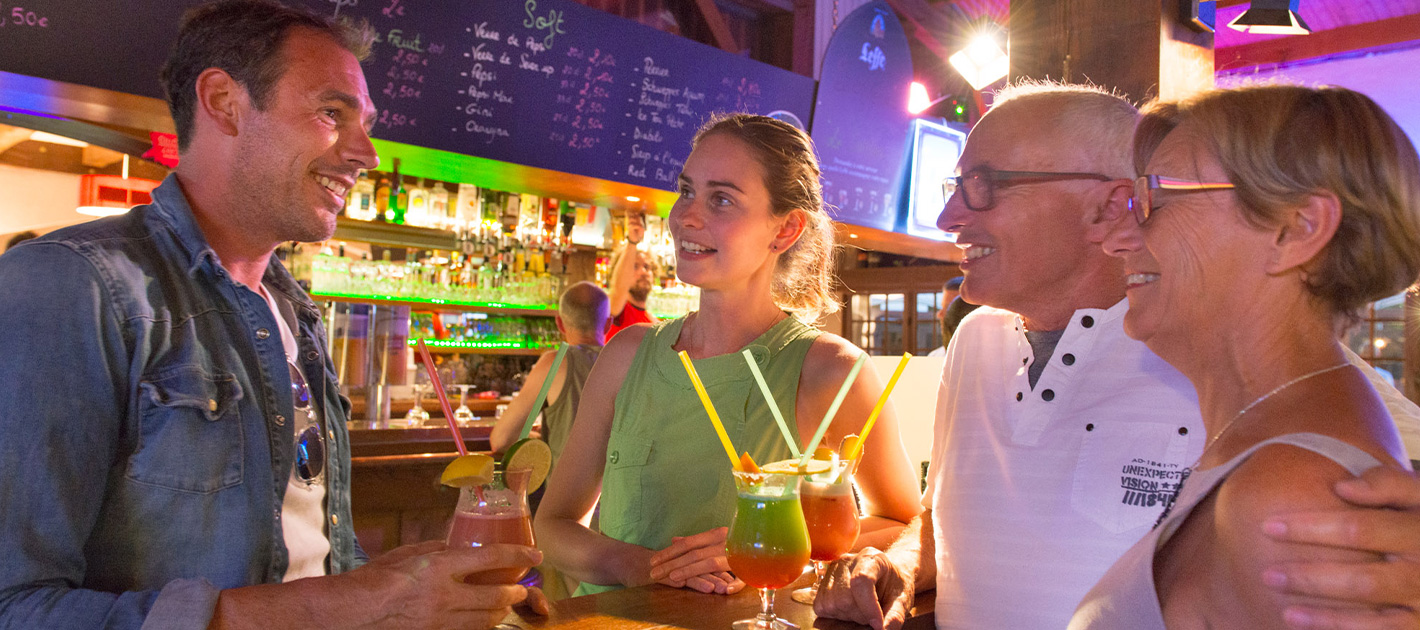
{"points": [[1303, 231], [1112, 209], [790, 230], [221, 101]]}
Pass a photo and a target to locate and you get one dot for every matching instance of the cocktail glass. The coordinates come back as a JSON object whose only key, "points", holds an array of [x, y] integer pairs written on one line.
{"points": [[494, 513], [768, 544], [831, 516], [463, 414]]}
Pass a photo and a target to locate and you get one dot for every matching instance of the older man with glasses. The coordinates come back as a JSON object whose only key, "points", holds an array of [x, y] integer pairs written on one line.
{"points": [[1059, 440]]}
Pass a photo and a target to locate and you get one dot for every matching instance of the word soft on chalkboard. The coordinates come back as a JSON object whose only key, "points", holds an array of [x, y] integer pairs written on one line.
{"points": [[545, 83]]}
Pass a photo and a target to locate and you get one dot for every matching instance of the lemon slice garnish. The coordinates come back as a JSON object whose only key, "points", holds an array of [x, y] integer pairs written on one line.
{"points": [[474, 469]]}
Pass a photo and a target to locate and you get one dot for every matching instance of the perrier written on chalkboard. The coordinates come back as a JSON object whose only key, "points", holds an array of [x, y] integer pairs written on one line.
{"points": [[545, 83]]}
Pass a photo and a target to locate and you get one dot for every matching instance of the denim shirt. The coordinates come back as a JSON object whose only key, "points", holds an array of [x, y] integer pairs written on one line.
{"points": [[145, 444]]}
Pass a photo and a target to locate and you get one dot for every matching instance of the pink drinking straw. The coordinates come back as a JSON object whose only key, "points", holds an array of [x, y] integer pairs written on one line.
{"points": [[428, 361]]}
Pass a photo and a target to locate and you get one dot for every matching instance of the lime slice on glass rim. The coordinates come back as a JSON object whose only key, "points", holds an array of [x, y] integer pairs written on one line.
{"points": [[529, 454], [474, 469], [792, 467]]}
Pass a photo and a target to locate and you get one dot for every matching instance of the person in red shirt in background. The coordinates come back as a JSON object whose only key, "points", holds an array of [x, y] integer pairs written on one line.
{"points": [[630, 280]]}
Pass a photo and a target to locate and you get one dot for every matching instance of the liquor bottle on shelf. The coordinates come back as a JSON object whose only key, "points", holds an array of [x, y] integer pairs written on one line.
{"points": [[382, 198], [439, 208], [399, 198], [417, 213], [361, 201]]}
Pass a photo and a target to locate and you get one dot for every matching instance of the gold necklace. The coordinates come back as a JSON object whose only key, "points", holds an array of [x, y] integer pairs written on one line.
{"points": [[1259, 400]]}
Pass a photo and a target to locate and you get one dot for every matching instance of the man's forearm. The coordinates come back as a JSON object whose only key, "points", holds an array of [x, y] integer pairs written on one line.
{"points": [[914, 552]]}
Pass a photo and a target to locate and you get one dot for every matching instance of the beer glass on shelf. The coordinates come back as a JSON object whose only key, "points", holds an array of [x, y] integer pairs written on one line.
{"points": [[491, 514], [768, 544], [831, 516]]}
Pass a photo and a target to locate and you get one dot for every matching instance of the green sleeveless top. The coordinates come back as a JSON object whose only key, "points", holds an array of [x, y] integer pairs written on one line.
{"points": [[666, 473], [557, 417]]}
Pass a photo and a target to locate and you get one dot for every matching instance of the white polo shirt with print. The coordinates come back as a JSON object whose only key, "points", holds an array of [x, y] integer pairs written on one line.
{"points": [[1036, 492]]}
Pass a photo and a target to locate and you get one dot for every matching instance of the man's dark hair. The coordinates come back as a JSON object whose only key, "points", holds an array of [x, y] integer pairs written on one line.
{"points": [[242, 38], [20, 238]]}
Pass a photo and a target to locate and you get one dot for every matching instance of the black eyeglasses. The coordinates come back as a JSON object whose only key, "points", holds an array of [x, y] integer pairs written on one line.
{"points": [[978, 186], [1143, 204], [310, 442]]}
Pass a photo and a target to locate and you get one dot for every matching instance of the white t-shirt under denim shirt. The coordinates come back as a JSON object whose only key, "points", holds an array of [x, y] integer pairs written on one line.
{"points": [[303, 509]]}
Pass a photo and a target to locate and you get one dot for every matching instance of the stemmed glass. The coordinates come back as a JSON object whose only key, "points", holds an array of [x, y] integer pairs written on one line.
{"points": [[463, 415], [832, 520], [416, 415], [768, 544], [492, 514]]}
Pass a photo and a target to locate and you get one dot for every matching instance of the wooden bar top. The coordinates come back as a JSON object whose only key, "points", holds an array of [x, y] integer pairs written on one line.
{"points": [[658, 606]]}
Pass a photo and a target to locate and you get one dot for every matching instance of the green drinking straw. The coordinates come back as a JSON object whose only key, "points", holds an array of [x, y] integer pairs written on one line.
{"points": [[833, 409], [773, 406], [542, 393]]}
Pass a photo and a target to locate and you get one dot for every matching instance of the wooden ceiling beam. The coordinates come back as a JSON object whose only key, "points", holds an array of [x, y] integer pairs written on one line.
{"points": [[1321, 43], [718, 28]]}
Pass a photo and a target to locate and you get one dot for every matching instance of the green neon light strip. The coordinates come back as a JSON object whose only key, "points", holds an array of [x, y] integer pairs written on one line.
{"points": [[486, 345], [438, 302]]}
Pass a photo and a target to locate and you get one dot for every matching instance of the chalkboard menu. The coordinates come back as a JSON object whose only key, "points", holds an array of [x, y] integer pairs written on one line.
{"points": [[861, 124], [545, 83]]}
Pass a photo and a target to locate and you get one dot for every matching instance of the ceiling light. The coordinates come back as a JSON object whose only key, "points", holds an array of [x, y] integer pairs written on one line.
{"points": [[1271, 17], [982, 62], [100, 211], [917, 101], [632, 199], [45, 136]]}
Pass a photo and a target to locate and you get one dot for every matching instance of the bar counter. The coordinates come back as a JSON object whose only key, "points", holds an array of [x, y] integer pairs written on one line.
{"points": [[659, 606]]}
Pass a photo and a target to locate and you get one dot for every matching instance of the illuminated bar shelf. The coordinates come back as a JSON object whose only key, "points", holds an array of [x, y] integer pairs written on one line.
{"points": [[483, 347], [497, 308]]}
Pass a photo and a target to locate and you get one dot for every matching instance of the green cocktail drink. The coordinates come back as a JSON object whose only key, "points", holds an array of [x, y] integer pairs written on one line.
{"points": [[768, 543]]}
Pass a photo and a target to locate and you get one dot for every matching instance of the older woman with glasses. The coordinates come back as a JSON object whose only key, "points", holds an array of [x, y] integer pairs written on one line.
{"points": [[1267, 216]]}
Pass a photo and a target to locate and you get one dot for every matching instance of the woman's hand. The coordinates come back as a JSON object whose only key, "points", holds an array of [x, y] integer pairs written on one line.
{"points": [[696, 562]]}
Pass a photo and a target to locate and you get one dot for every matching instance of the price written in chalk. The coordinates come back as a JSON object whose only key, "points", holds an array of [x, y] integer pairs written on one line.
{"points": [[391, 119], [403, 57], [401, 91], [405, 74], [20, 16]]}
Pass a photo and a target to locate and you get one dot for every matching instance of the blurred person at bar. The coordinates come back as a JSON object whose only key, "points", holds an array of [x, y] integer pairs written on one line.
{"points": [[1252, 241], [751, 231], [631, 276], [954, 309], [19, 238], [1059, 439], [175, 450], [582, 319]]}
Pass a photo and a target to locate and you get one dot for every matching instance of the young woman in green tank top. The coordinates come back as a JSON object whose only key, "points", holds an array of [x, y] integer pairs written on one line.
{"points": [[751, 232]]}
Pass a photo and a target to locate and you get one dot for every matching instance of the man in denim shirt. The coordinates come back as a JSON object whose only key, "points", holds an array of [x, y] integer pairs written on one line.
{"points": [[146, 392]]}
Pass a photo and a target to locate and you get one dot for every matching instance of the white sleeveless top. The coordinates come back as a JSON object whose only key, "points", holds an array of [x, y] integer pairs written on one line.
{"points": [[1126, 597]]}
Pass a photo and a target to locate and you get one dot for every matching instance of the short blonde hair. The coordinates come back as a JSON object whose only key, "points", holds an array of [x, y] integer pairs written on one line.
{"points": [[1279, 144]]}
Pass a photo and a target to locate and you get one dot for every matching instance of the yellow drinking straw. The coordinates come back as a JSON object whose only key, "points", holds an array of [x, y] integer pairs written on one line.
{"points": [[710, 409], [878, 408], [773, 406], [833, 409]]}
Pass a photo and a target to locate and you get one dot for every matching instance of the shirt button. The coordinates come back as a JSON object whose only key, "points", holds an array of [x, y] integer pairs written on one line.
{"points": [[1068, 359], [614, 457], [280, 420], [262, 333], [331, 433], [334, 520], [312, 355], [1020, 396], [1048, 395], [1090, 427], [1183, 430], [1087, 321], [212, 404]]}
